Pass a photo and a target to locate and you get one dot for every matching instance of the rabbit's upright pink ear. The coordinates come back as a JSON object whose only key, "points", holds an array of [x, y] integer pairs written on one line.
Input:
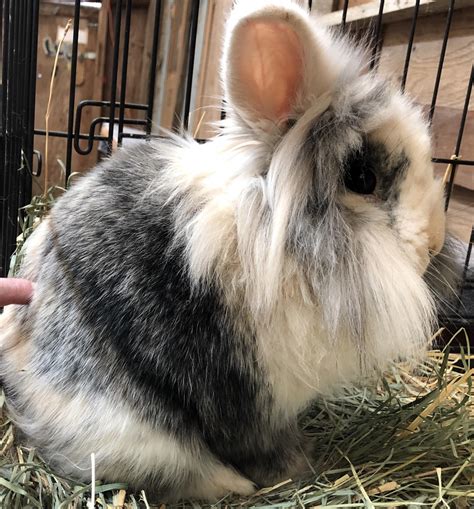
{"points": [[270, 58], [267, 70]]}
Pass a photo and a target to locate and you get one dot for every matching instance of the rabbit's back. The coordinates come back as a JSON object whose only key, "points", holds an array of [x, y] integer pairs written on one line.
{"points": [[115, 319]]}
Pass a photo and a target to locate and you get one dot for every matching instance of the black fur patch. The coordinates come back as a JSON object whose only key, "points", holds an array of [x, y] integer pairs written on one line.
{"points": [[127, 324], [389, 169]]}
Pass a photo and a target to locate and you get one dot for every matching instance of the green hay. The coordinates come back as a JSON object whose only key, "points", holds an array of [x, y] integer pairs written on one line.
{"points": [[407, 441], [28, 220], [31, 215]]}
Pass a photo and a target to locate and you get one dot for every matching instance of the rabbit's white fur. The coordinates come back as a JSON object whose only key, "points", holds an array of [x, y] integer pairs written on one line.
{"points": [[124, 446], [226, 240], [227, 237]]}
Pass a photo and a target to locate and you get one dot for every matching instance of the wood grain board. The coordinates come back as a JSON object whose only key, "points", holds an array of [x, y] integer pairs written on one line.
{"points": [[422, 75], [460, 213], [172, 59], [361, 13], [48, 28], [207, 94]]}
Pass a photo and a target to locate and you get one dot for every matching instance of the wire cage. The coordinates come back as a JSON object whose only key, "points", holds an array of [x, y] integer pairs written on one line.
{"points": [[20, 161]]}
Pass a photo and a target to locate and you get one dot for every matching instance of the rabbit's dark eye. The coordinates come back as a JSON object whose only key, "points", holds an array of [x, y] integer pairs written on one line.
{"points": [[358, 177]]}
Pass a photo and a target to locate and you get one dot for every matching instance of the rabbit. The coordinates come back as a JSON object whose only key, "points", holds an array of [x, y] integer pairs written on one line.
{"points": [[192, 300]]}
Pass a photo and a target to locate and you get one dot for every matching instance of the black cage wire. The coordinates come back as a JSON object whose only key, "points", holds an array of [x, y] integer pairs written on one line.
{"points": [[20, 161]]}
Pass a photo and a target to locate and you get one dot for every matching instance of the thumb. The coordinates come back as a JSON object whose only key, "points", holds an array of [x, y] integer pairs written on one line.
{"points": [[15, 291]]}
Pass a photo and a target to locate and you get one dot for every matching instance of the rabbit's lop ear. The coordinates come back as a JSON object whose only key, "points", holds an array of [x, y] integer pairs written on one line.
{"points": [[272, 55]]}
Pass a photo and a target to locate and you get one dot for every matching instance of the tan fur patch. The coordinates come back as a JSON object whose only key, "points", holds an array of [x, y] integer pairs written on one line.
{"points": [[14, 345]]}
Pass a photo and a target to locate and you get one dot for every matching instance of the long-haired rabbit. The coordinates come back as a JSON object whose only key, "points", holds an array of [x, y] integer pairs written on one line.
{"points": [[192, 299]]}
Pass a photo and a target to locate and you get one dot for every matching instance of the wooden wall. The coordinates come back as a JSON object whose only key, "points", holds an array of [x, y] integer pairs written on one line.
{"points": [[138, 61], [422, 74], [53, 19], [94, 77], [424, 63], [207, 93], [172, 61]]}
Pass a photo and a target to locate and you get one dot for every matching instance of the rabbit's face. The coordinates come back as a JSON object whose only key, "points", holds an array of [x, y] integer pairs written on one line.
{"points": [[356, 146], [383, 166]]}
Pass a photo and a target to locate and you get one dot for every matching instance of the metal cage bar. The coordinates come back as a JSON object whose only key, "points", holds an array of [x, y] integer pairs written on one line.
{"points": [[72, 87], [191, 55], [377, 36], [410, 45], [123, 81], [113, 86], [152, 73], [442, 55], [344, 14], [19, 41], [459, 138]]}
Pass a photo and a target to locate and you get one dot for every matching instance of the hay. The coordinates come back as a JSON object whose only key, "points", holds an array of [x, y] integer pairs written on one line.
{"points": [[406, 442], [31, 215]]}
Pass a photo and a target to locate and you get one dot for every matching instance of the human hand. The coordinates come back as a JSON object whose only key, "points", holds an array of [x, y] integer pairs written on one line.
{"points": [[15, 291]]}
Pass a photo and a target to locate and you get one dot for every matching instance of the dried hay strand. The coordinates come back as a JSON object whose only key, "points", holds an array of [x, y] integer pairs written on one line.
{"points": [[407, 441]]}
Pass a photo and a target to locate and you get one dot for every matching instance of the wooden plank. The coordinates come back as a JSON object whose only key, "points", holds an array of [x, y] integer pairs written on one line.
{"points": [[201, 83], [170, 81], [134, 90], [425, 57], [48, 27], [147, 50], [138, 3], [102, 34], [58, 8], [445, 128], [352, 3], [162, 63], [394, 10], [422, 74], [326, 6], [177, 61], [460, 213], [208, 88], [136, 62]]}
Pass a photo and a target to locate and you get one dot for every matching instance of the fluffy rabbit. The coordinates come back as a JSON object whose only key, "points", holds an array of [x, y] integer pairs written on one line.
{"points": [[193, 299]]}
